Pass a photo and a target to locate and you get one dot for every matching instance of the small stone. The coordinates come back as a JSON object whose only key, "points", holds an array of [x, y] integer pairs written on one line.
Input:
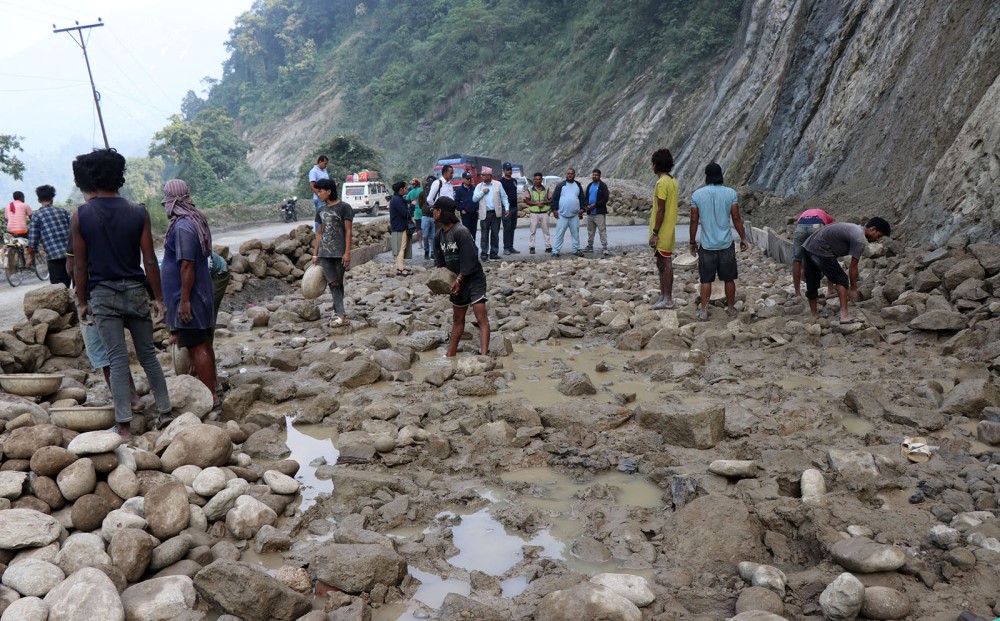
{"points": [[209, 482], [813, 486], [862, 555], [77, 479], [633, 588], [885, 603], [945, 537], [281, 483], [33, 577], [86, 591], [94, 442], [759, 598], [842, 598], [734, 468], [574, 384], [385, 444]]}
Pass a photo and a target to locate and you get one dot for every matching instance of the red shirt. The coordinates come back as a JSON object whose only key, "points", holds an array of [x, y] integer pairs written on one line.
{"points": [[817, 213]]}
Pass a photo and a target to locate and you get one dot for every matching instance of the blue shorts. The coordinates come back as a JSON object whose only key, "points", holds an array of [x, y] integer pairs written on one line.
{"points": [[96, 351]]}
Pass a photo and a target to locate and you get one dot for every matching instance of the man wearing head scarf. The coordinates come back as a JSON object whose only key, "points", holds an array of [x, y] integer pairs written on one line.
{"points": [[187, 282]]}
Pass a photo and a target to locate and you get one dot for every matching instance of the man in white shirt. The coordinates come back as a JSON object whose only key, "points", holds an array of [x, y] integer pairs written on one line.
{"points": [[315, 174], [493, 208], [442, 186]]}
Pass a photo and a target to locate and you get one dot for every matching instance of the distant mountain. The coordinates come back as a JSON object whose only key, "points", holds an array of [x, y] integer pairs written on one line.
{"points": [[861, 107]]}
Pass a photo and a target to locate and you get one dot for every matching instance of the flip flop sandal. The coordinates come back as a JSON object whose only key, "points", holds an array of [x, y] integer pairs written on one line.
{"points": [[851, 321], [701, 315], [337, 322], [404, 273]]}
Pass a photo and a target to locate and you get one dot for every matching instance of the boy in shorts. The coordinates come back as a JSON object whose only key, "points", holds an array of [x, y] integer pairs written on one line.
{"points": [[456, 250]]}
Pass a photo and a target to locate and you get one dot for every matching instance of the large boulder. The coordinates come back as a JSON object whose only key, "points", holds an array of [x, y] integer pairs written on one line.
{"points": [[27, 528], [189, 394], [65, 343], [77, 479], [159, 599], [575, 384], [131, 550], [358, 372], [583, 413], [940, 321], [22, 442], [87, 595], [988, 256], [700, 426], [33, 577], [200, 445], [52, 297], [81, 550], [167, 509], [94, 443], [48, 461], [586, 602], [248, 593], [693, 539], [357, 568], [962, 271], [25, 609], [970, 397], [248, 516]]}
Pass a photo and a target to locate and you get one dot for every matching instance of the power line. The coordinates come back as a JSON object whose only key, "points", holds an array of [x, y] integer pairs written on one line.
{"points": [[138, 64], [148, 100], [83, 45]]}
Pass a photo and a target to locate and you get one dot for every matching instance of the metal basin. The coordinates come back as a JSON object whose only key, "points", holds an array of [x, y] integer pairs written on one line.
{"points": [[31, 384], [81, 418]]}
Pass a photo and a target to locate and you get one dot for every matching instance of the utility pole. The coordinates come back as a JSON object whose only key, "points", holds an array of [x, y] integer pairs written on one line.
{"points": [[83, 46]]}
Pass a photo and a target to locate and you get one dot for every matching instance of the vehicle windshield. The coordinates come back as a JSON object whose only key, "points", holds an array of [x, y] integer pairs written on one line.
{"points": [[356, 190]]}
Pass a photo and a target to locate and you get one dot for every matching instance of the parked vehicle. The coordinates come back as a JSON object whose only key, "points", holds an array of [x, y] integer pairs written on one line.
{"points": [[364, 196], [472, 164], [288, 211]]}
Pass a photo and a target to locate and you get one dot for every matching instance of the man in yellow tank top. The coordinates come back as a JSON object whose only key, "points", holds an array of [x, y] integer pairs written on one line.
{"points": [[539, 199], [662, 223]]}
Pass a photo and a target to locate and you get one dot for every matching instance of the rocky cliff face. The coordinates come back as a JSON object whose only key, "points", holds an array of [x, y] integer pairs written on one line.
{"points": [[863, 107], [866, 107]]}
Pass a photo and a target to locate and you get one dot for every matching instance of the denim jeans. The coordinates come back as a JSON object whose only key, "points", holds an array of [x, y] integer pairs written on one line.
{"points": [[573, 224], [116, 306], [427, 234], [490, 232]]}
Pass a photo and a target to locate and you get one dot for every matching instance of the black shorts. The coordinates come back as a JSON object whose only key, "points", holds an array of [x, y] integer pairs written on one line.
{"points": [[817, 267], [717, 262], [193, 337], [471, 291]]}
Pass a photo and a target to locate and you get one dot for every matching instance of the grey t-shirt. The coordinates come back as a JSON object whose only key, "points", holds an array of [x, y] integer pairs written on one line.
{"points": [[333, 242], [837, 240]]}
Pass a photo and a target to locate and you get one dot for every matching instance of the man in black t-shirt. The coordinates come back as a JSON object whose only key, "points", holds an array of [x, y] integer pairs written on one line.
{"points": [[456, 250]]}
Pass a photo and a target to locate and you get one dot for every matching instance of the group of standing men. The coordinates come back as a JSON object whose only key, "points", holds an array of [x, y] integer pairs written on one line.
{"points": [[107, 248]]}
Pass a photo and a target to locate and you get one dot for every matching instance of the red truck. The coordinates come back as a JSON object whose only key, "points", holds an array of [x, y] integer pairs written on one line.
{"points": [[473, 164]]}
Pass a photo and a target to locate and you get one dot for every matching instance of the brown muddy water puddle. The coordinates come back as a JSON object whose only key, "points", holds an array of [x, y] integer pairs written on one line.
{"points": [[483, 542]]}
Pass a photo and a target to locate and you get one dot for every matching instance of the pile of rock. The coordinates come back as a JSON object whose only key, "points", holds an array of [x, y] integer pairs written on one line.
{"points": [[49, 330], [94, 530], [288, 255]]}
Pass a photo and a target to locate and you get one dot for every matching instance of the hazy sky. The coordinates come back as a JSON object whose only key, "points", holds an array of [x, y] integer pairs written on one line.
{"points": [[145, 58]]}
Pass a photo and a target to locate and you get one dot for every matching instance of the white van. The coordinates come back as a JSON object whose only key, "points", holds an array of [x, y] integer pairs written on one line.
{"points": [[364, 196]]}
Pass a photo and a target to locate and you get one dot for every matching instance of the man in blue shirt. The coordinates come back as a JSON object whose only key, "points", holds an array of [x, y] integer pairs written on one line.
{"points": [[597, 211], [568, 200], [50, 226], [715, 208]]}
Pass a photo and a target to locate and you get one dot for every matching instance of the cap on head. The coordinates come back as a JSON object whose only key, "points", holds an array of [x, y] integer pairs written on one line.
{"points": [[466, 175], [879, 225], [713, 174], [487, 171], [507, 166]]}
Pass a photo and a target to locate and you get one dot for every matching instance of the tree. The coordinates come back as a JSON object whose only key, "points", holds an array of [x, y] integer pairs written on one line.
{"points": [[207, 153], [347, 155], [191, 105], [9, 163]]}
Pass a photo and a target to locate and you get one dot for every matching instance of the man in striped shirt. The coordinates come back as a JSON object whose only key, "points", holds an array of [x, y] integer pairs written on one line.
{"points": [[50, 226]]}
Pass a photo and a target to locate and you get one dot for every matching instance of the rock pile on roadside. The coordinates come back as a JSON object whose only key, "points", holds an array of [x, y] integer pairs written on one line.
{"points": [[50, 329], [288, 255]]}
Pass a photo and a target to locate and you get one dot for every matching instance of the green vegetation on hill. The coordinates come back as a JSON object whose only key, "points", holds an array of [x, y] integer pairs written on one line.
{"points": [[421, 78]]}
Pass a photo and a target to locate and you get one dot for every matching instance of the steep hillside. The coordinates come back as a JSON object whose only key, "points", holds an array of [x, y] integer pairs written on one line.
{"points": [[860, 106]]}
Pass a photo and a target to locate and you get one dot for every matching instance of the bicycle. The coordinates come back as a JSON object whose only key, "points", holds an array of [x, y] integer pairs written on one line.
{"points": [[15, 263]]}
